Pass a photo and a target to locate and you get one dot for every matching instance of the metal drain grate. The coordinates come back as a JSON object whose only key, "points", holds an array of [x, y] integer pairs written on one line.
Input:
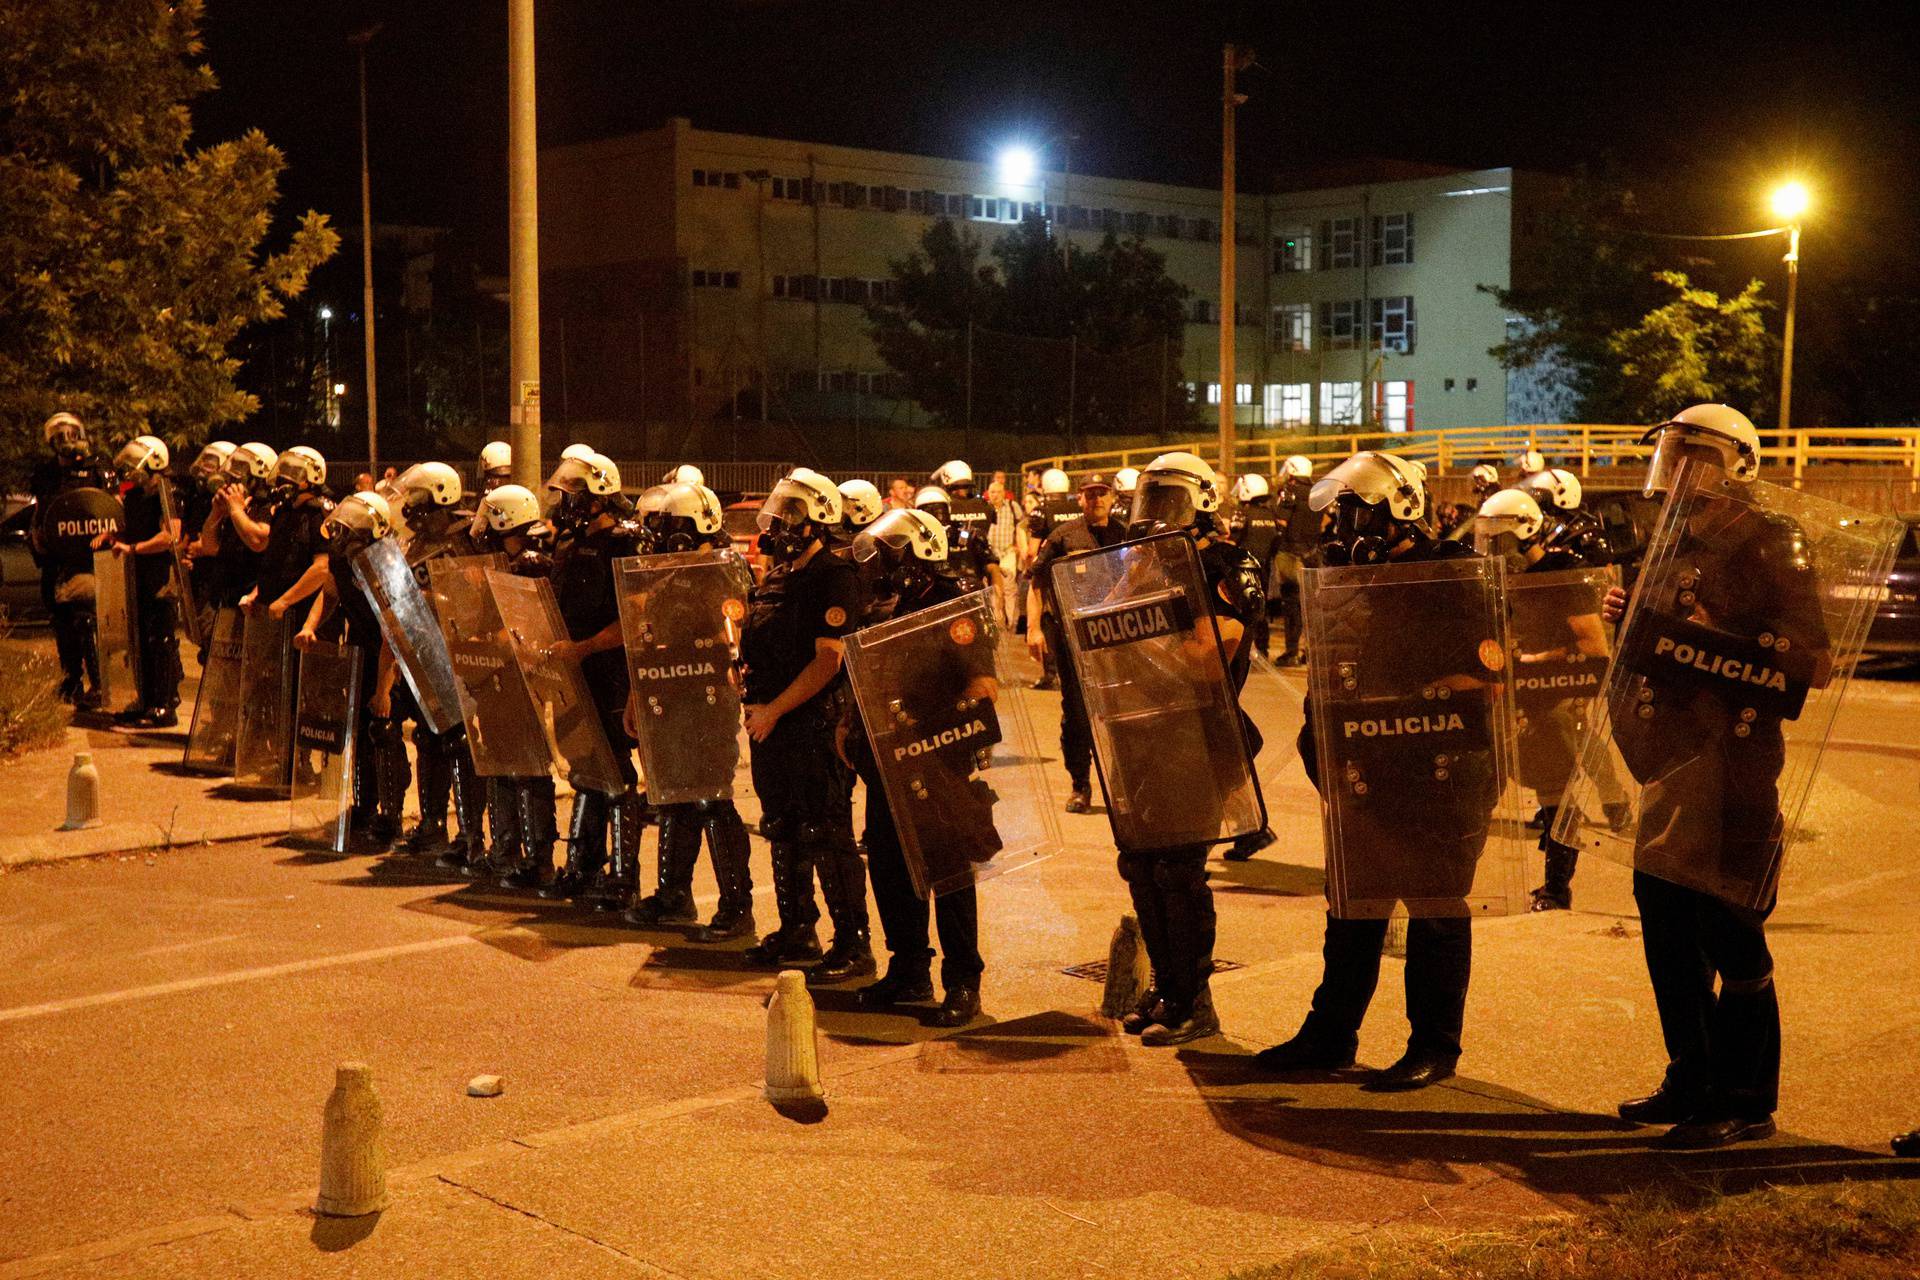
{"points": [[1097, 970]]}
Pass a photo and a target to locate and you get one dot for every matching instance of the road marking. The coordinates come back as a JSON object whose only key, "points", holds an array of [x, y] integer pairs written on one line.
{"points": [[22, 1012]]}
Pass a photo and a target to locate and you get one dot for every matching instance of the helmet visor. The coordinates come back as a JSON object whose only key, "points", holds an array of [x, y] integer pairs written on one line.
{"points": [[570, 476], [1164, 503], [890, 538], [1675, 444], [1496, 535], [785, 507]]}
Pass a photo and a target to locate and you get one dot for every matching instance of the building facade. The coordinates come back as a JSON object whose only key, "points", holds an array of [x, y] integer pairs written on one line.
{"points": [[689, 274]]}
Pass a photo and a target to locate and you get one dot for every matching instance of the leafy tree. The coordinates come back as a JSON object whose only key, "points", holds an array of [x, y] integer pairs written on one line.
{"points": [[128, 263], [1103, 334], [1696, 347]]}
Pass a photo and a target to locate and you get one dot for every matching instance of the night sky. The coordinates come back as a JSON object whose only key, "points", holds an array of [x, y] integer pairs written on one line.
{"points": [[1702, 104]]}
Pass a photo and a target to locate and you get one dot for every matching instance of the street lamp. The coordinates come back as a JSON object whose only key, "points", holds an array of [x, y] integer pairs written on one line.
{"points": [[1018, 165], [1790, 201], [326, 362]]}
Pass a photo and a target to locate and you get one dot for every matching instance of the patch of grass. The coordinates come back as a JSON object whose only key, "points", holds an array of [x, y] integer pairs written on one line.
{"points": [[1849, 1231], [31, 713]]}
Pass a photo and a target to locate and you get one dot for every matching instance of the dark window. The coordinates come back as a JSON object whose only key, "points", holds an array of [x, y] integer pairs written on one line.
{"points": [[699, 279], [1200, 228], [731, 181], [731, 280]]}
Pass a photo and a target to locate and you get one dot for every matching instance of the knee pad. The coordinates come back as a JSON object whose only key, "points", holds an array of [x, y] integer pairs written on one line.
{"points": [[1746, 986], [1135, 868]]}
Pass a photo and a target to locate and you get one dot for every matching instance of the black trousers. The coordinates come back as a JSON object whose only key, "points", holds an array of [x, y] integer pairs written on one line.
{"points": [[903, 913], [1175, 909], [1076, 734], [806, 814], [73, 628], [1439, 963], [159, 641], [1723, 1048]]}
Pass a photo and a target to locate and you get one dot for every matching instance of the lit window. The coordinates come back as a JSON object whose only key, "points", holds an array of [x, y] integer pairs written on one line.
{"points": [[1393, 404], [1393, 327], [1213, 393], [1293, 326], [1340, 403], [1339, 243], [1290, 404], [1243, 393], [1293, 251]]}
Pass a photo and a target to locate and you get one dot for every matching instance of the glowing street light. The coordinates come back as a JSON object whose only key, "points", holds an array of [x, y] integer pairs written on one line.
{"points": [[326, 313], [1018, 165], [340, 389], [1790, 201]]}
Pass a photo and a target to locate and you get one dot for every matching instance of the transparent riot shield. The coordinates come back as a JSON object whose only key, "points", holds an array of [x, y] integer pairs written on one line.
{"points": [[216, 708], [1750, 611], [1560, 651], [680, 616], [958, 762], [116, 626], [263, 748], [1272, 701], [180, 584], [1167, 733], [1413, 735], [505, 729], [570, 719], [412, 633], [324, 741]]}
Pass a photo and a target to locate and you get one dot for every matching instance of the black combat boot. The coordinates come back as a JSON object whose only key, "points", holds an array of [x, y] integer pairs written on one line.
{"points": [[843, 883], [470, 803], [390, 780], [614, 888], [533, 802], [728, 843], [907, 982], [586, 846], [1557, 893], [679, 848], [795, 942], [504, 846], [436, 783]]}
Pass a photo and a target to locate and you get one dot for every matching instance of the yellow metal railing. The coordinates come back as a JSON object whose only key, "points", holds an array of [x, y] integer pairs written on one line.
{"points": [[1580, 447]]}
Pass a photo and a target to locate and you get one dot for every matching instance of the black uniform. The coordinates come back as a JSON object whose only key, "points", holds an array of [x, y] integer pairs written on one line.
{"points": [[522, 810], [1076, 737], [1255, 529], [71, 609], [969, 525], [293, 540], [806, 794], [158, 637], [903, 913], [380, 761], [1299, 542], [1439, 949], [1710, 797]]}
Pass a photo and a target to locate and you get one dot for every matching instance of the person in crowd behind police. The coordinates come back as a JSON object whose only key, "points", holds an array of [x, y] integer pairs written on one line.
{"points": [[899, 494], [1549, 626], [520, 811], [1255, 529], [968, 514], [1053, 505], [380, 760], [909, 550], [1092, 530], [1710, 793], [1006, 543], [1168, 885], [439, 525], [1380, 509], [148, 537], [791, 654], [591, 520], [682, 517], [66, 562], [1298, 548]]}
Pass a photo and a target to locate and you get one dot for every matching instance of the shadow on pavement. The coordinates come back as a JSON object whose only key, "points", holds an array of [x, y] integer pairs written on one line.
{"points": [[336, 1235], [1434, 1134], [1276, 879]]}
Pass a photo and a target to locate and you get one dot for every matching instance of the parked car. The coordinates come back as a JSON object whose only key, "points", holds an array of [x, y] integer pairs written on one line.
{"points": [[19, 575], [742, 521], [1896, 619]]}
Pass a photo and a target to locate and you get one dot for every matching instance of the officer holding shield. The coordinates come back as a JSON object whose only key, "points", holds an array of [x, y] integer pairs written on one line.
{"points": [[1093, 529], [1299, 544], [66, 562], [148, 538]]}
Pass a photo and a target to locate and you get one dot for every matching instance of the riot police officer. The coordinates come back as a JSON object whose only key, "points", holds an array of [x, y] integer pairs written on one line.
{"points": [[199, 498], [1255, 529], [496, 466], [1050, 507], [66, 559], [1298, 548], [431, 507], [970, 514], [909, 552], [1168, 886], [1568, 526], [148, 537], [682, 517], [1125, 481], [860, 505], [791, 654], [232, 565], [293, 554], [1093, 529], [380, 760], [591, 520], [969, 556], [1381, 511]]}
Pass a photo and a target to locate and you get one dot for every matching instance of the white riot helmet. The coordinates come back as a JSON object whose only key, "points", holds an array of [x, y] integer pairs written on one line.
{"points": [[591, 474], [860, 503], [1054, 480], [253, 462], [496, 462], [935, 501], [1716, 434], [1126, 480], [685, 473], [430, 484], [1378, 500], [953, 475], [683, 516], [211, 463], [510, 508], [1251, 486], [1176, 491], [801, 508], [577, 450], [907, 543], [300, 465], [1486, 478], [146, 454], [1509, 514], [1533, 460], [1556, 486], [1297, 467], [355, 521], [66, 435]]}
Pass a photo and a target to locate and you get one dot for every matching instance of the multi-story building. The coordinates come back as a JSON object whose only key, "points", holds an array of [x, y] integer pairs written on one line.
{"points": [[687, 273]]}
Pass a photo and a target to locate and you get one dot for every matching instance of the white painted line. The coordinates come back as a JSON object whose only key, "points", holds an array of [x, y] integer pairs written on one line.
{"points": [[21, 1013]]}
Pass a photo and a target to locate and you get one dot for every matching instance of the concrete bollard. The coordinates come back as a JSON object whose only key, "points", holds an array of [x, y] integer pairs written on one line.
{"points": [[793, 1047], [83, 794], [1127, 972], [1396, 944], [353, 1156]]}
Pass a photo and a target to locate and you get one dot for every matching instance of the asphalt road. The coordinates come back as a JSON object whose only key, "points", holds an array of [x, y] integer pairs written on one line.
{"points": [[169, 1024]]}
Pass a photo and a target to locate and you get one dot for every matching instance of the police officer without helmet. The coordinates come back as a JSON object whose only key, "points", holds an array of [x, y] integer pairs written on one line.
{"points": [[1091, 530]]}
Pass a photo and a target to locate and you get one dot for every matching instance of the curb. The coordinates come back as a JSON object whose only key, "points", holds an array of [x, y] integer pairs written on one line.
{"points": [[138, 837]]}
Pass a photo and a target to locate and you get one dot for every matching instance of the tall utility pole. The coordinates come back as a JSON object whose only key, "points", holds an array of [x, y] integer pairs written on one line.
{"points": [[360, 41], [523, 219], [1234, 61], [1786, 347]]}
